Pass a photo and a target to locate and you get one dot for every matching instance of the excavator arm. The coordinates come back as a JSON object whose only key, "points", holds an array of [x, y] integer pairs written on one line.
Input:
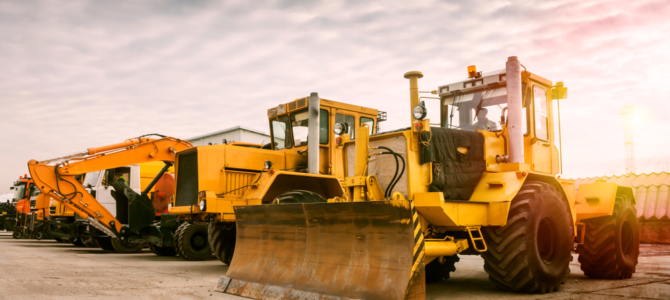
{"points": [[58, 181]]}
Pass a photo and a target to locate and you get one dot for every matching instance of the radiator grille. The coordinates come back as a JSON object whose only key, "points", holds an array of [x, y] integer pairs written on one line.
{"points": [[235, 181]]}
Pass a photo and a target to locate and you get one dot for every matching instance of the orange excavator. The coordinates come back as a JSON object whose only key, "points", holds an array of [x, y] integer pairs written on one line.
{"points": [[23, 189], [55, 178]]}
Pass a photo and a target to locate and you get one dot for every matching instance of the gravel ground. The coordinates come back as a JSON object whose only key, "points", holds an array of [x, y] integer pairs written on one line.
{"points": [[45, 269]]}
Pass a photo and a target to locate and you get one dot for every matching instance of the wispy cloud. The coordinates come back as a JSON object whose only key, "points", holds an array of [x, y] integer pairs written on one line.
{"points": [[79, 74]]}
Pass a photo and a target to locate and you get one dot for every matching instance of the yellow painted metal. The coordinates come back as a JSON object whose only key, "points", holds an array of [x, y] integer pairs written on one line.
{"points": [[495, 187], [445, 247], [595, 200], [476, 239], [374, 190], [439, 212], [361, 163]]}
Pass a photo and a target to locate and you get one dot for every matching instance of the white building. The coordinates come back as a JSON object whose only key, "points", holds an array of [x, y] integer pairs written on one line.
{"points": [[233, 134]]}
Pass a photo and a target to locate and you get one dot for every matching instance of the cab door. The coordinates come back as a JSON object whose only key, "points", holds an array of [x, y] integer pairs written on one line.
{"points": [[541, 143]]}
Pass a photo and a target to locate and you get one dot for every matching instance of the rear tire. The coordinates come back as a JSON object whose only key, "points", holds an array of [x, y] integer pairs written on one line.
{"points": [[221, 237], [126, 247], [105, 243], [162, 251], [532, 253], [192, 241], [17, 234], [612, 243], [39, 235], [438, 270], [90, 242]]}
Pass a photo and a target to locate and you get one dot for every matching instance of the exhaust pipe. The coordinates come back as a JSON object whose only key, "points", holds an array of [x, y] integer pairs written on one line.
{"points": [[515, 111], [313, 134]]}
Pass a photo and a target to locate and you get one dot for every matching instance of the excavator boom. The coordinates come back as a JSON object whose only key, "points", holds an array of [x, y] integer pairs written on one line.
{"points": [[58, 181]]}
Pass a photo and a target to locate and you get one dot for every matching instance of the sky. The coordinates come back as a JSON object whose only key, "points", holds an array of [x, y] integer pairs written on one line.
{"points": [[80, 74]]}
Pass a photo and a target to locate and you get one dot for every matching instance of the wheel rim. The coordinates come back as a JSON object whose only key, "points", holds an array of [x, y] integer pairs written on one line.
{"points": [[547, 244], [626, 238], [198, 242]]}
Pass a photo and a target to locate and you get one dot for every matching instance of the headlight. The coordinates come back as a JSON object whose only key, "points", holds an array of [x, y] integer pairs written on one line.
{"points": [[203, 205], [419, 112], [338, 128], [267, 165]]}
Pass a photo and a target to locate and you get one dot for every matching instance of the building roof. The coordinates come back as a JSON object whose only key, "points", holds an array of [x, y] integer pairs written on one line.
{"points": [[226, 131], [652, 196]]}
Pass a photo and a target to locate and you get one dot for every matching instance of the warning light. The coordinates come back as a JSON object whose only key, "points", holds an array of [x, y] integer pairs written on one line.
{"points": [[472, 72], [418, 126]]}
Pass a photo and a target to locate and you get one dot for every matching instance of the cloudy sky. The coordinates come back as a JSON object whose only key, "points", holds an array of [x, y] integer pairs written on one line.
{"points": [[79, 74]]}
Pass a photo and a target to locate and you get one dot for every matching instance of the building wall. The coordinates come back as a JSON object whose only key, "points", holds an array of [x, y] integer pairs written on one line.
{"points": [[235, 135]]}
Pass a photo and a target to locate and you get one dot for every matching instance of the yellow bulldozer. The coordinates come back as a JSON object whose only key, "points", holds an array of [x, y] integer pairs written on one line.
{"points": [[211, 180], [482, 181]]}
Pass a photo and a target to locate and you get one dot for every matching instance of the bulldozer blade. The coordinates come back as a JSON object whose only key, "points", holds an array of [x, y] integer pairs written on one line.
{"points": [[347, 250]]}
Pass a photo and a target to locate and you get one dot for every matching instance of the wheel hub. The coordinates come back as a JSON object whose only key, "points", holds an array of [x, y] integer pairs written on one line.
{"points": [[547, 244]]}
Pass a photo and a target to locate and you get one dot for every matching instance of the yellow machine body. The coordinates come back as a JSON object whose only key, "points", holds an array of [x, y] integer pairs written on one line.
{"points": [[225, 176], [371, 244]]}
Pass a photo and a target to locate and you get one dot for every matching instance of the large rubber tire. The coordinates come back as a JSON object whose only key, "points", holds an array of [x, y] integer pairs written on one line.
{"points": [[221, 237], [438, 270], [162, 251], [17, 234], [39, 235], [191, 241], [77, 242], [611, 244], [90, 242], [125, 247], [105, 243], [532, 253], [298, 196]]}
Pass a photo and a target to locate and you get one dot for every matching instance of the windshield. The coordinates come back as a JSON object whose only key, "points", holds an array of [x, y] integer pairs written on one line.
{"points": [[91, 179], [300, 125], [477, 111], [19, 191], [280, 133]]}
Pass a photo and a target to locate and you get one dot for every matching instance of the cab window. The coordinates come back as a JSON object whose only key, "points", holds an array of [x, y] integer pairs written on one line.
{"points": [[541, 120], [280, 133], [370, 122], [300, 127], [117, 175], [349, 123]]}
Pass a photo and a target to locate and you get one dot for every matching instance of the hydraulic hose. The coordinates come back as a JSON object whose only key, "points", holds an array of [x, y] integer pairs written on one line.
{"points": [[396, 176]]}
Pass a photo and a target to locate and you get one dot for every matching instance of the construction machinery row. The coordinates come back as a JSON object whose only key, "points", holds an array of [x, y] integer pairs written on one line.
{"points": [[333, 209]]}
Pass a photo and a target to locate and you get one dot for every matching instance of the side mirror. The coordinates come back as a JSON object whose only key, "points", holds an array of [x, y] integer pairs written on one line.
{"points": [[559, 92]]}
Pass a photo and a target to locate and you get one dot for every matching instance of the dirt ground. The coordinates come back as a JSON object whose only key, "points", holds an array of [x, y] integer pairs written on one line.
{"points": [[31, 269]]}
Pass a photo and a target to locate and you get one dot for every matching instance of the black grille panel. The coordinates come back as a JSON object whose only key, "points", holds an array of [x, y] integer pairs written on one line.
{"points": [[187, 179]]}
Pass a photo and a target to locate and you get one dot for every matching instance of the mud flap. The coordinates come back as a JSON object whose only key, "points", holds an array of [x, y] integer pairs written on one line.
{"points": [[141, 211], [352, 250]]}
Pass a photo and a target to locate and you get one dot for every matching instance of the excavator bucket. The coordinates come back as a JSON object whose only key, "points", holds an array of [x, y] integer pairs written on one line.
{"points": [[345, 250]]}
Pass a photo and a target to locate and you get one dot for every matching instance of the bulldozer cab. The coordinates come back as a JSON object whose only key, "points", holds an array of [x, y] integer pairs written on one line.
{"points": [[479, 103], [289, 128]]}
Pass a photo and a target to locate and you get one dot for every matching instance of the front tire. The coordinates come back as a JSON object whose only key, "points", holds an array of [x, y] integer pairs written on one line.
{"points": [[162, 251], [126, 247], [532, 253], [612, 243], [192, 241], [105, 243], [441, 269], [221, 237], [17, 234]]}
